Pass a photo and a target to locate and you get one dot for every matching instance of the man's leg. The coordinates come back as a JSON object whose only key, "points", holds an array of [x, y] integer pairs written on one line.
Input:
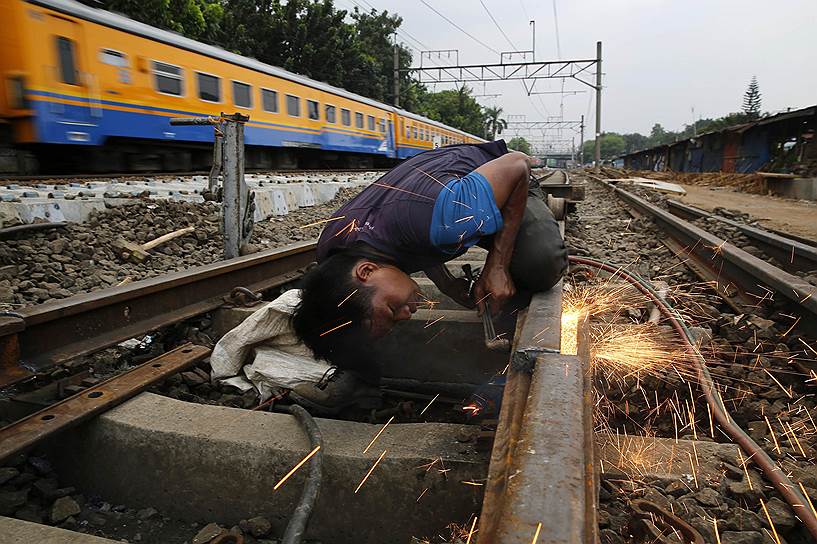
{"points": [[539, 256]]}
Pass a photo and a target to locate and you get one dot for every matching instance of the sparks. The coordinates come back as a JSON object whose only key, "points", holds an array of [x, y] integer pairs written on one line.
{"points": [[429, 404], [471, 532], [363, 481], [350, 295], [296, 467], [322, 221], [536, 534], [324, 333], [768, 517], [378, 434]]}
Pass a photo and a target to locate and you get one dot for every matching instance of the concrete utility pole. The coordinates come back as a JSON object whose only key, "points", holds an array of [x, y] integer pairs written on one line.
{"points": [[396, 73], [581, 142], [238, 202], [597, 166]]}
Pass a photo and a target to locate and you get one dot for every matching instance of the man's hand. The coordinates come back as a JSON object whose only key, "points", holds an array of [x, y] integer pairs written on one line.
{"points": [[494, 287], [458, 290]]}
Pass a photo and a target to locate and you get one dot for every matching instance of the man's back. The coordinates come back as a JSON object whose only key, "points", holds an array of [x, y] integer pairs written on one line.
{"points": [[393, 215]]}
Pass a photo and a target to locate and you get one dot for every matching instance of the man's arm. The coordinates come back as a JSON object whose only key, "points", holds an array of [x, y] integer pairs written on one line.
{"points": [[508, 176], [456, 288]]}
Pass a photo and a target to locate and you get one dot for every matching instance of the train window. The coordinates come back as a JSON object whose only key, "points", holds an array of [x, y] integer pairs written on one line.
{"points": [[113, 58], [408, 132], [242, 95], [313, 110], [269, 100], [293, 105], [209, 87], [68, 65], [414, 132], [370, 121], [168, 78], [381, 126], [331, 114], [345, 117], [358, 120]]}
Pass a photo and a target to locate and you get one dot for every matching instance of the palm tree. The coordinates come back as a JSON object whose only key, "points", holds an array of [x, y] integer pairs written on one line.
{"points": [[493, 124]]}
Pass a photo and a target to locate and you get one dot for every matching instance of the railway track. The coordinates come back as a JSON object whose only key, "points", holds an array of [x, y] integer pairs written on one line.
{"points": [[529, 473]]}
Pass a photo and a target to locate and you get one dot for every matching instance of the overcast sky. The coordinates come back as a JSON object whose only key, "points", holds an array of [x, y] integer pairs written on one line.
{"points": [[661, 58]]}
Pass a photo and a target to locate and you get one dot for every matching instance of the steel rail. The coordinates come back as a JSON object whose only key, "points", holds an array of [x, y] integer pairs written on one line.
{"points": [[542, 476], [728, 264], [52, 333], [72, 411], [786, 250]]}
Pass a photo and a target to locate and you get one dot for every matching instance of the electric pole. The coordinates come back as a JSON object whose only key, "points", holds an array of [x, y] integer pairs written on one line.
{"points": [[581, 143], [597, 166], [396, 73]]}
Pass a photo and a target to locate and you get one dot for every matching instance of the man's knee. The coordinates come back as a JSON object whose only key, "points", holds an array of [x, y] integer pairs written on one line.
{"points": [[539, 258]]}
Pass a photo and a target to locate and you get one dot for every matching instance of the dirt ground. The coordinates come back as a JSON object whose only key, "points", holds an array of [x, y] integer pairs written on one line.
{"points": [[794, 216]]}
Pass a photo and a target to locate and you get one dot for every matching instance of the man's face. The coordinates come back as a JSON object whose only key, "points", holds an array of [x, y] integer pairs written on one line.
{"points": [[395, 297]]}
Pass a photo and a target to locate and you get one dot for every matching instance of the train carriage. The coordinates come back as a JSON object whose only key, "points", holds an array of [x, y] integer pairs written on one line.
{"points": [[80, 76]]}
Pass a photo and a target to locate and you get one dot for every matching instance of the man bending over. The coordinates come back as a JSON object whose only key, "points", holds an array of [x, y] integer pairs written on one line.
{"points": [[426, 211]]}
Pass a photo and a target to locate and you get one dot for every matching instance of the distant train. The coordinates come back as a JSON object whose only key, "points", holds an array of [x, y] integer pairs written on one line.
{"points": [[93, 90]]}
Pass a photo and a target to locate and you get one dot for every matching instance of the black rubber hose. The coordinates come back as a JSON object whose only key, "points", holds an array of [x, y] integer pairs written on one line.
{"points": [[312, 488]]}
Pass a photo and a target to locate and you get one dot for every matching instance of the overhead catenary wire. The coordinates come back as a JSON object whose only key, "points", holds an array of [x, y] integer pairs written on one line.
{"points": [[458, 27], [497, 25]]}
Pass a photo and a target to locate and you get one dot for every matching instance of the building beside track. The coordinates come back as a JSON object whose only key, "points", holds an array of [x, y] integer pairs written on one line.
{"points": [[779, 143]]}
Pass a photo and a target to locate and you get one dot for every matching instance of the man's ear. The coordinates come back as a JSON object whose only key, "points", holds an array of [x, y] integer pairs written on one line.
{"points": [[364, 270]]}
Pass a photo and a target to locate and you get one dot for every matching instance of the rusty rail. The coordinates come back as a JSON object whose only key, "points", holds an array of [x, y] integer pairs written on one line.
{"points": [[542, 477], [736, 274], [49, 334], [75, 409]]}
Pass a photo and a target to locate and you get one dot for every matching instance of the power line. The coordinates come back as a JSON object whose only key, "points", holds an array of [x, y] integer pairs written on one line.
{"points": [[556, 23], [497, 26], [458, 27]]}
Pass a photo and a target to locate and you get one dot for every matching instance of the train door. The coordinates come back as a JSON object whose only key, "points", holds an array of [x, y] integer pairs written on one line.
{"points": [[391, 140], [67, 78]]}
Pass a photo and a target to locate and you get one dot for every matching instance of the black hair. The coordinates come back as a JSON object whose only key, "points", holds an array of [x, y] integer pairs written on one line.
{"points": [[333, 317]]}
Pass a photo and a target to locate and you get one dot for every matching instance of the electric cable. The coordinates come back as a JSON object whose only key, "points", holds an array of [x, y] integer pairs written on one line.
{"points": [[296, 528], [770, 469], [497, 26], [458, 27]]}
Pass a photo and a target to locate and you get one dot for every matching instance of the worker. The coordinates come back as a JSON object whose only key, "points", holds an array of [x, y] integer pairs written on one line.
{"points": [[426, 211]]}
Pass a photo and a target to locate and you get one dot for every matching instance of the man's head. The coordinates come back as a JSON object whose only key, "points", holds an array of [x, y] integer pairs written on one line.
{"points": [[348, 300]]}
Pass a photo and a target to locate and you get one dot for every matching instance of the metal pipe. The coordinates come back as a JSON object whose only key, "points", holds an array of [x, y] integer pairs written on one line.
{"points": [[309, 496], [770, 469]]}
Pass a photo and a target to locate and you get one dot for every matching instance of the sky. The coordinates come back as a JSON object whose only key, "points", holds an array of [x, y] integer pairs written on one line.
{"points": [[660, 59]]}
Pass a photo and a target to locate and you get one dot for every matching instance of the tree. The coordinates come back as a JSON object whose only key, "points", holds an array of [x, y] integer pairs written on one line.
{"points": [[456, 108], [751, 100], [635, 142], [612, 145], [518, 143], [493, 124]]}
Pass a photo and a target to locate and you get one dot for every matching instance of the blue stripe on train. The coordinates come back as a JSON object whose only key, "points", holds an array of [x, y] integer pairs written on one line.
{"points": [[79, 125]]}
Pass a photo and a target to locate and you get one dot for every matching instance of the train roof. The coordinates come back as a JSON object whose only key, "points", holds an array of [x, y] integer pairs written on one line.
{"points": [[123, 23]]}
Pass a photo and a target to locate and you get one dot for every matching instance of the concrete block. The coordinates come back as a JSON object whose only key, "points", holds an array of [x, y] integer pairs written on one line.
{"points": [[801, 188], [206, 463], [17, 531]]}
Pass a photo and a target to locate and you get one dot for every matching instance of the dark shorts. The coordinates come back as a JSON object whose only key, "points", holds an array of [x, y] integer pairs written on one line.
{"points": [[539, 255]]}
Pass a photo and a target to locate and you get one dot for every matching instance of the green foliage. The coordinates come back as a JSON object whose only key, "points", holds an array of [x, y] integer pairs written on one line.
{"points": [[519, 143], [456, 108], [751, 99], [612, 145], [493, 124]]}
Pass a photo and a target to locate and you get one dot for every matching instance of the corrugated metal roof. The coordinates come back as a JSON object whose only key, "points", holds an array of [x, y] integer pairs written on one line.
{"points": [[121, 22]]}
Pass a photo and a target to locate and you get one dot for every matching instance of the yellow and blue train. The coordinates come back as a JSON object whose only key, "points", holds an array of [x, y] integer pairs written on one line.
{"points": [[98, 88]]}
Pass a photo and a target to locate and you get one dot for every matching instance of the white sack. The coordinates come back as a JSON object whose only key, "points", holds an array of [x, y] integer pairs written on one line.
{"points": [[266, 340]]}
